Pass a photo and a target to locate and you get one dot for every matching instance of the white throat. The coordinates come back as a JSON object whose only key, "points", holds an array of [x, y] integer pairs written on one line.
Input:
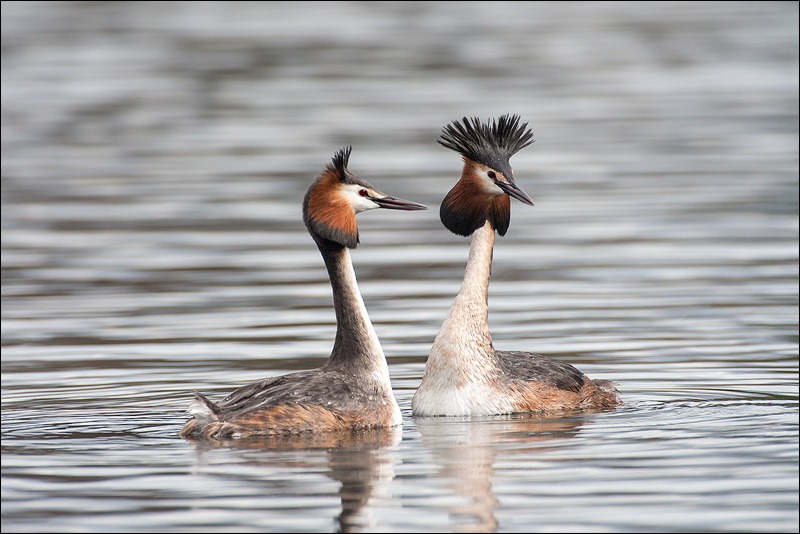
{"points": [[460, 365]]}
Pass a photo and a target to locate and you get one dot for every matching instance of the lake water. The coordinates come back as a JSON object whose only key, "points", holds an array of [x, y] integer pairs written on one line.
{"points": [[154, 158]]}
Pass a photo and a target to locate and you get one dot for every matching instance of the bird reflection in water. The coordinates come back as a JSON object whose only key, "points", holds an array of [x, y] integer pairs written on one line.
{"points": [[362, 462], [466, 450]]}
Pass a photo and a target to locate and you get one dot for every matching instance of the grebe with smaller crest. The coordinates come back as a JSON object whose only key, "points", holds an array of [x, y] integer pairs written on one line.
{"points": [[352, 389]]}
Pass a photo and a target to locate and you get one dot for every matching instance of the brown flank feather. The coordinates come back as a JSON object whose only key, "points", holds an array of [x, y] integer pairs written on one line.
{"points": [[283, 419], [541, 397]]}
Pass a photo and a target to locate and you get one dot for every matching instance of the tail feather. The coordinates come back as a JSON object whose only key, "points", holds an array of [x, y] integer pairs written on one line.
{"points": [[204, 410]]}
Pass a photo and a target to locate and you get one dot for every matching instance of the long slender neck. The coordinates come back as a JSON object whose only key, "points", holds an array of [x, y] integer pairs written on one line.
{"points": [[471, 305], [465, 332], [356, 342]]}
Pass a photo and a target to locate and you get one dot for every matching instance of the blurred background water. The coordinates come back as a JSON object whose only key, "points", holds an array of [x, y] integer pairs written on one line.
{"points": [[154, 158]]}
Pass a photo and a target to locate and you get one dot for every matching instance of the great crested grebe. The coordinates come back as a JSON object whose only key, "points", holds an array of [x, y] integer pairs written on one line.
{"points": [[464, 374], [352, 390]]}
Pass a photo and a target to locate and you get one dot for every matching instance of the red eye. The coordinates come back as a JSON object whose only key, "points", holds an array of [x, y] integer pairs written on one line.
{"points": [[491, 175], [363, 192]]}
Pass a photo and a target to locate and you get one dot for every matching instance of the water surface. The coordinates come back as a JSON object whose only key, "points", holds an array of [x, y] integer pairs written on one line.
{"points": [[154, 158]]}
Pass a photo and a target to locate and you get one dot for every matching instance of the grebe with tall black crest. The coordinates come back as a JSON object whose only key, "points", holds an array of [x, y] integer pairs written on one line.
{"points": [[464, 374]]}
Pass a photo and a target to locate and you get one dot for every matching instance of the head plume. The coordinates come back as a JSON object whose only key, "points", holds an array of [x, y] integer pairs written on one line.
{"points": [[339, 162], [462, 213], [490, 143]]}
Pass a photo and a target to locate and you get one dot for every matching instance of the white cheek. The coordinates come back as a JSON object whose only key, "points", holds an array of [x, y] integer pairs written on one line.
{"points": [[356, 201], [488, 185]]}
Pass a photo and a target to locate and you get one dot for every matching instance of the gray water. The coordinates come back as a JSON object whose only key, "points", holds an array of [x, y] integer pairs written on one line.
{"points": [[154, 158]]}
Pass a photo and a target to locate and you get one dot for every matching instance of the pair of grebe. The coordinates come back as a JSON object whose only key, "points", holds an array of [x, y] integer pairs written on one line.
{"points": [[464, 374]]}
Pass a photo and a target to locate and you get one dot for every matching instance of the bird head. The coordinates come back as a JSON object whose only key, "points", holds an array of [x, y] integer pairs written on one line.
{"points": [[336, 196], [487, 182]]}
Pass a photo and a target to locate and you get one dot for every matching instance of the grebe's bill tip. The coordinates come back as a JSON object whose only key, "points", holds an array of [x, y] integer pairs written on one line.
{"points": [[514, 191]]}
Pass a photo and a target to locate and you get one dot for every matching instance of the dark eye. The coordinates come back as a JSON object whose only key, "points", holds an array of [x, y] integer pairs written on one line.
{"points": [[491, 175], [363, 192]]}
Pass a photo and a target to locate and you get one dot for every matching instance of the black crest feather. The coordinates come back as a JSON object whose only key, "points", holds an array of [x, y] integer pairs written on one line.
{"points": [[491, 143], [339, 161]]}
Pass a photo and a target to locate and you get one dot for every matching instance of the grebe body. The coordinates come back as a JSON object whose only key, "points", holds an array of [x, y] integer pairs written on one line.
{"points": [[352, 390]]}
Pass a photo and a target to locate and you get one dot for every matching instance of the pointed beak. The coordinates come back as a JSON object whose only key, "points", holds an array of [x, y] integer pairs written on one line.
{"points": [[393, 203], [513, 191]]}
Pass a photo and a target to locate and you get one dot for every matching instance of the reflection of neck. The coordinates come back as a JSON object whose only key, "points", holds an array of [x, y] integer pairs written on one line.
{"points": [[365, 473], [356, 342], [464, 338], [465, 452]]}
